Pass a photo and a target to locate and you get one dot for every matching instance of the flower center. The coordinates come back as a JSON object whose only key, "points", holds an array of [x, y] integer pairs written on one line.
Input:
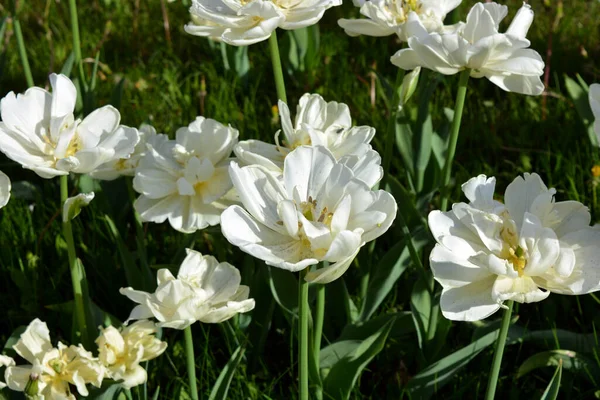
{"points": [[512, 251]]}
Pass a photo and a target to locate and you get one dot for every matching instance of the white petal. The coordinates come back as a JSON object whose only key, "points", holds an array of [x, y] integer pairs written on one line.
{"points": [[521, 290], [34, 342], [64, 95], [529, 85], [333, 271], [451, 267], [289, 217], [480, 24], [5, 187], [251, 152], [355, 27], [471, 302], [97, 125], [17, 377], [73, 205], [521, 193], [521, 22], [306, 169], [540, 244]]}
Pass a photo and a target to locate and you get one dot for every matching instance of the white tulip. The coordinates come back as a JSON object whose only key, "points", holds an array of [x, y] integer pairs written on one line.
{"points": [[38, 130], [594, 96], [73, 205], [204, 290], [317, 123], [5, 187], [183, 180], [126, 166], [488, 252], [52, 370], [5, 361], [122, 351], [318, 211], [241, 22], [388, 17], [503, 58]]}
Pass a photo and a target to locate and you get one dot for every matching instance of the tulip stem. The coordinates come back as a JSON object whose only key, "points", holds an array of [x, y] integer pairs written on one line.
{"points": [[277, 70], [455, 129], [495, 371], [191, 361], [22, 51], [76, 275], [303, 336], [318, 331], [391, 129]]}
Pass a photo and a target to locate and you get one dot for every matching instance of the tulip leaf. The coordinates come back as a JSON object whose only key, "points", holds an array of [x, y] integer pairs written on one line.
{"points": [[404, 140], [578, 342], [579, 95], [221, 387], [424, 133], [429, 380], [569, 360], [106, 392], [333, 353], [284, 287], [551, 392], [420, 305], [387, 272], [343, 375], [401, 328], [406, 202], [68, 65], [12, 340]]}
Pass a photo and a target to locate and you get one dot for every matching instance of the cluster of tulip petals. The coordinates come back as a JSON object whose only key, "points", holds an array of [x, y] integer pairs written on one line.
{"points": [[306, 201]]}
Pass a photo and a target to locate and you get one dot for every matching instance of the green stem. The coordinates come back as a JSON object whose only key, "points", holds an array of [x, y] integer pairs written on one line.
{"points": [[455, 129], [76, 41], [495, 371], [391, 129], [318, 332], [277, 70], [191, 361], [76, 275], [23, 51], [303, 336]]}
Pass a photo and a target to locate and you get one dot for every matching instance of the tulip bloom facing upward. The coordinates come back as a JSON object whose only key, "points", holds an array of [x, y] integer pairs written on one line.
{"points": [[388, 17], [318, 211], [204, 290], [38, 130], [503, 58], [52, 369], [183, 180], [241, 22], [488, 252], [122, 351]]}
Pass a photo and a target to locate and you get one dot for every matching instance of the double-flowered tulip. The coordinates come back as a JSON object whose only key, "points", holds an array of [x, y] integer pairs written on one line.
{"points": [[204, 290], [244, 22], [489, 252], [317, 211], [39, 131], [504, 58]]}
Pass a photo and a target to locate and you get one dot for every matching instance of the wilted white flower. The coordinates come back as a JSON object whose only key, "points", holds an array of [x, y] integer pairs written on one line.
{"points": [[122, 351], [488, 252], [388, 17], [204, 290], [317, 123], [38, 130], [503, 58], [183, 180], [5, 187], [241, 22], [5, 361], [73, 205], [317, 212], [52, 369], [594, 96], [126, 166]]}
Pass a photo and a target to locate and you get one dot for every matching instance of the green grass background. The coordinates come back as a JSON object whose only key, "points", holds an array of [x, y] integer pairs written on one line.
{"points": [[169, 79]]}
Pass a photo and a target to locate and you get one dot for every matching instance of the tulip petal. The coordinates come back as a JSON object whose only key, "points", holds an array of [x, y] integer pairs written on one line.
{"points": [[306, 169], [256, 152], [451, 267], [34, 342], [471, 302], [5, 187], [520, 195], [520, 289]]}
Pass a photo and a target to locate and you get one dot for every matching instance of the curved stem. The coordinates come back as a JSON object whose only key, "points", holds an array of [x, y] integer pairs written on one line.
{"points": [[495, 371], [76, 273], [455, 129], [277, 70], [191, 362], [318, 333], [303, 336]]}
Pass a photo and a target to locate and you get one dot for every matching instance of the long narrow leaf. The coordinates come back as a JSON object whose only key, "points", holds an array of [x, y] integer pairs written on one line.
{"points": [[219, 391], [551, 392]]}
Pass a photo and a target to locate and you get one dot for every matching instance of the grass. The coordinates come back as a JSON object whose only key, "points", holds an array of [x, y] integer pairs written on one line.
{"points": [[169, 79]]}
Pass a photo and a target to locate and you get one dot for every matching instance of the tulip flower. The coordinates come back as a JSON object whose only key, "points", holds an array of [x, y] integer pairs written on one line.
{"points": [[5, 187], [318, 211], [595, 105], [183, 180], [122, 351], [488, 252], [52, 369], [388, 17], [503, 58], [5, 361], [126, 166], [241, 23], [39, 131], [73, 205], [204, 290]]}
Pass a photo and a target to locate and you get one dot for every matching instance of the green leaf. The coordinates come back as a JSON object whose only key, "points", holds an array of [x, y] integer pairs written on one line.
{"points": [[420, 304], [551, 392], [406, 203], [404, 141], [221, 387], [68, 65], [387, 272], [117, 94], [106, 392], [284, 287], [12, 340], [580, 98], [423, 139], [360, 331], [428, 381], [333, 353], [343, 375], [569, 359], [241, 61]]}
